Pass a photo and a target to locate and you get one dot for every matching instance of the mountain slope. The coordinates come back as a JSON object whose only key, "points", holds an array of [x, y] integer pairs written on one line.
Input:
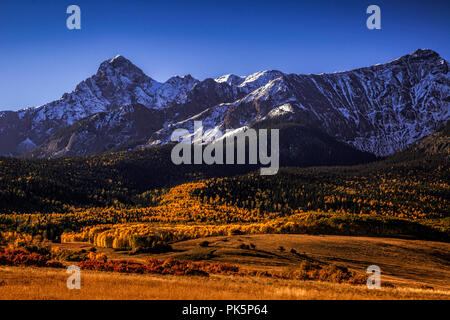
{"points": [[102, 131], [434, 145]]}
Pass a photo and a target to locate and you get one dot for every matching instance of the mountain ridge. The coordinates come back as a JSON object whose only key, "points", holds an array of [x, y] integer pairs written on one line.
{"points": [[379, 109]]}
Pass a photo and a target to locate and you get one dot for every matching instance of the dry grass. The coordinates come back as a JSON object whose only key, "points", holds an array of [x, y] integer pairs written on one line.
{"points": [[44, 283], [403, 263], [418, 269], [410, 263]]}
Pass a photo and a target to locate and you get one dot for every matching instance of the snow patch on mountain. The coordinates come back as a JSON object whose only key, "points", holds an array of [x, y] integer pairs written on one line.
{"points": [[231, 79], [26, 145]]}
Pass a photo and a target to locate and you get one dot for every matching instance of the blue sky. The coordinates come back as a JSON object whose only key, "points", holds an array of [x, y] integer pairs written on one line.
{"points": [[40, 58]]}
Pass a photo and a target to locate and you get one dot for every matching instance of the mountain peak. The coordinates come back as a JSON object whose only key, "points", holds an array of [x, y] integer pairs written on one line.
{"points": [[420, 55], [119, 64], [116, 60], [424, 53], [231, 79], [117, 57]]}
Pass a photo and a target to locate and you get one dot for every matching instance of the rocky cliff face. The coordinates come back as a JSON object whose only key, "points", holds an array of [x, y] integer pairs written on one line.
{"points": [[379, 109]]}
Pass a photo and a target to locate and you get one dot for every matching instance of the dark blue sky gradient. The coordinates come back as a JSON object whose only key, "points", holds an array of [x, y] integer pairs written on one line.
{"points": [[40, 58]]}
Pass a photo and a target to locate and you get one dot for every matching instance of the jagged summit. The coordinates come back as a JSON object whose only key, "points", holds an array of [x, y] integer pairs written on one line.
{"points": [[419, 55], [424, 53], [231, 79], [117, 60], [118, 57], [120, 65]]}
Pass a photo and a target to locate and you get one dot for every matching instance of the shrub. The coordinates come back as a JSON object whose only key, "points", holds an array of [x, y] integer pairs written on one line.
{"points": [[68, 255], [334, 273], [160, 266], [22, 257], [204, 244], [144, 243]]}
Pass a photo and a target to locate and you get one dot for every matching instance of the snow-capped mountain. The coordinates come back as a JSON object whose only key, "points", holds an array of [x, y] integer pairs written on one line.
{"points": [[379, 109], [117, 83]]}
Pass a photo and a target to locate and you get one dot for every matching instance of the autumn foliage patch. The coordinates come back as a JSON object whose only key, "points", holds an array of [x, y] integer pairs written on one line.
{"points": [[160, 266], [22, 257], [306, 271]]}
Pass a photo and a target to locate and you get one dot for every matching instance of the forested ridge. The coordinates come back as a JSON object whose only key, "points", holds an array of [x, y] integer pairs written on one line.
{"points": [[56, 185], [404, 194]]}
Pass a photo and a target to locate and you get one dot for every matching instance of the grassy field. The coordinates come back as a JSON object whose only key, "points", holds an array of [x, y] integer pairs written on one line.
{"points": [[412, 263], [411, 269], [44, 283]]}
